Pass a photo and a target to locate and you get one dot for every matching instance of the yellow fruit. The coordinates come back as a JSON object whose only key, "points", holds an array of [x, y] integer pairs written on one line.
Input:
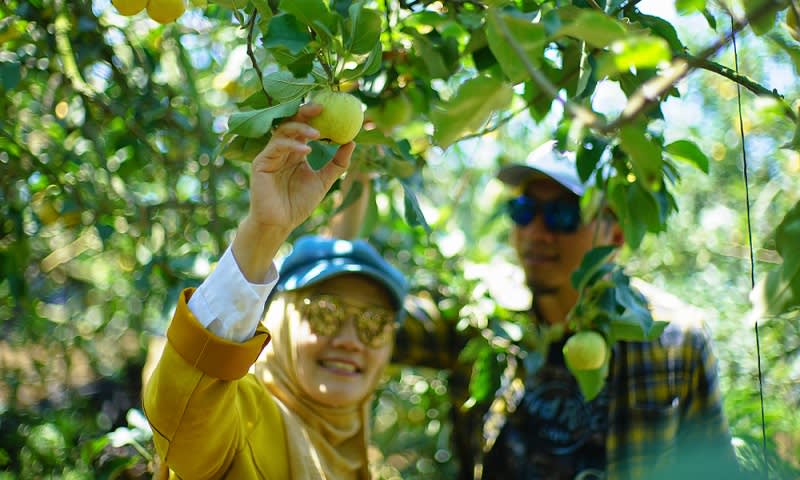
{"points": [[165, 11], [44, 209], [129, 7], [341, 117], [585, 350]]}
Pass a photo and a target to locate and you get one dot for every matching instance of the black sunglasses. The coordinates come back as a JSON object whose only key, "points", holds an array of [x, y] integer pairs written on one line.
{"points": [[561, 215]]}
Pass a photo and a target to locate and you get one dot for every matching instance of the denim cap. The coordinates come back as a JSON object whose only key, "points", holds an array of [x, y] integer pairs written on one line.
{"points": [[545, 160], [314, 259]]}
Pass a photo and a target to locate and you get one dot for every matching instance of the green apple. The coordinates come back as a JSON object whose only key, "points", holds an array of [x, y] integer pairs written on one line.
{"points": [[397, 111], [341, 117], [585, 350]]}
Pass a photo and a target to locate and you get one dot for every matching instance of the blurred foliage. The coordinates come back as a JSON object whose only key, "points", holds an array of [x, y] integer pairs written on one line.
{"points": [[117, 196]]}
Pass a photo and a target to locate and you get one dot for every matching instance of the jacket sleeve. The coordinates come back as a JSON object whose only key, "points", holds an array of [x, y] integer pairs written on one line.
{"points": [[191, 397]]}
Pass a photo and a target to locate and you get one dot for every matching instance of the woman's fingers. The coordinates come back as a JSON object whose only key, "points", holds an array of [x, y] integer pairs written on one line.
{"points": [[307, 112], [338, 164], [279, 150], [295, 129]]}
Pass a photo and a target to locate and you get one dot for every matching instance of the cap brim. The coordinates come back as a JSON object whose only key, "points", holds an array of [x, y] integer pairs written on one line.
{"points": [[323, 270], [518, 175]]}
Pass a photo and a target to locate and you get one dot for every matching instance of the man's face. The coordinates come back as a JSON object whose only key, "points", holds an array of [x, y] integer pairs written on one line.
{"points": [[547, 257]]}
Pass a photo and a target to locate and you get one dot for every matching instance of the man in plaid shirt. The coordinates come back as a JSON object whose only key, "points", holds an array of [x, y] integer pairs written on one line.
{"points": [[660, 413]]}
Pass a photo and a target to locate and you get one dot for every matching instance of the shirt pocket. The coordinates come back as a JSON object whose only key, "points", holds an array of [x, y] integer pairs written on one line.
{"points": [[657, 423]]}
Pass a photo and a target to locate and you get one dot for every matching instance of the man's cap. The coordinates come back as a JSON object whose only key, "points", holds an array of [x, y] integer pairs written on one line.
{"points": [[545, 160], [314, 259]]}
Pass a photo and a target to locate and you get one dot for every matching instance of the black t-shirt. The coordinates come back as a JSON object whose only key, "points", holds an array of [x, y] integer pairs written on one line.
{"points": [[553, 434]]}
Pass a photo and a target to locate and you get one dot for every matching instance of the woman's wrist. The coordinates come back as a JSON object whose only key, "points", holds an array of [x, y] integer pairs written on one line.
{"points": [[255, 247]]}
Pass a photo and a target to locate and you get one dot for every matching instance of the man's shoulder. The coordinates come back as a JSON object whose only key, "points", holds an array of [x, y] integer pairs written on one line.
{"points": [[687, 322]]}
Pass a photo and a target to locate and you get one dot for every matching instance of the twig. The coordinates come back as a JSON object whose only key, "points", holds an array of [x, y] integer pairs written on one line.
{"points": [[251, 24], [497, 124], [649, 92], [583, 114], [742, 80]]}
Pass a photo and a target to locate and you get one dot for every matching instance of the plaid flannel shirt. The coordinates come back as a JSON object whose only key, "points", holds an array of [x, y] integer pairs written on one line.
{"points": [[665, 411]]}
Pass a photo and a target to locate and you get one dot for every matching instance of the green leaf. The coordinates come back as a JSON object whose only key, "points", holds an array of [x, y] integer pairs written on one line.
{"points": [[368, 67], [353, 194], [643, 207], [618, 200], [485, 378], [712, 22], [286, 32], [10, 75], [588, 156], [685, 7], [309, 12], [413, 212], [688, 152], [243, 149], [592, 262], [638, 52], [302, 65], [362, 30], [255, 123], [321, 154], [662, 28], [644, 155], [529, 36], [626, 329], [595, 28], [590, 382], [762, 14], [779, 291], [283, 86], [431, 57], [470, 108]]}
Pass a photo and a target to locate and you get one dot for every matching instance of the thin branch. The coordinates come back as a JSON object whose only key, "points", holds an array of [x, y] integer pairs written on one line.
{"points": [[251, 24], [651, 91], [577, 111], [742, 80], [497, 124], [325, 62]]}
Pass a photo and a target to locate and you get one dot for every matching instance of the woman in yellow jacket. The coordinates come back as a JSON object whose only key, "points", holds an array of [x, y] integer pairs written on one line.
{"points": [[302, 412]]}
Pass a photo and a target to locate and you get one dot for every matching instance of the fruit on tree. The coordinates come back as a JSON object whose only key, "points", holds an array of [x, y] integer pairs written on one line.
{"points": [[397, 110], [165, 11], [341, 116], [585, 350], [129, 7]]}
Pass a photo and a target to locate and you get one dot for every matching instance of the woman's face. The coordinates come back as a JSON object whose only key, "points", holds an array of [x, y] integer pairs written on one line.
{"points": [[344, 338]]}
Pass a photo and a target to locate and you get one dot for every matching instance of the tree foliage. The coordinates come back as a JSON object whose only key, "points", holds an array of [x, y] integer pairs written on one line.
{"points": [[125, 145]]}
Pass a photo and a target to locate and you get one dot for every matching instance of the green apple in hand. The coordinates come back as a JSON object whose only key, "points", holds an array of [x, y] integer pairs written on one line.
{"points": [[341, 117]]}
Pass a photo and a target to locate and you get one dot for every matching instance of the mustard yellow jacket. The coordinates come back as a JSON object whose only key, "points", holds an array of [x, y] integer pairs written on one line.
{"points": [[210, 418]]}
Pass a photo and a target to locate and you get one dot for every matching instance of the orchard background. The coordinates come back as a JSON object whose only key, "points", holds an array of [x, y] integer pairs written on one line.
{"points": [[124, 148]]}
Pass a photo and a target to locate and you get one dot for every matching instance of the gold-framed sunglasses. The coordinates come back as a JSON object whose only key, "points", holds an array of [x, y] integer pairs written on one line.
{"points": [[326, 314]]}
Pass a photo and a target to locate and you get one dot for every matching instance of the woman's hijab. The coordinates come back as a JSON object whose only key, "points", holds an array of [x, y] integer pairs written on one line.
{"points": [[324, 442]]}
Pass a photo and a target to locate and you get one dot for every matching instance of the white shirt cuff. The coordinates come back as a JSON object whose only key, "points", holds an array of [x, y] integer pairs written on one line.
{"points": [[227, 304]]}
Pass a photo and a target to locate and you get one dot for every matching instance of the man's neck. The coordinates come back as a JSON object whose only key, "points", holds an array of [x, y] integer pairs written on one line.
{"points": [[553, 307]]}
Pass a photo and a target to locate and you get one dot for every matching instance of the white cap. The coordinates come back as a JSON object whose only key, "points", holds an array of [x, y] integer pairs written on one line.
{"points": [[548, 161]]}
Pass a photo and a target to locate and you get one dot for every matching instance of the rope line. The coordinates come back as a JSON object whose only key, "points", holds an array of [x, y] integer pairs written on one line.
{"points": [[752, 256]]}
